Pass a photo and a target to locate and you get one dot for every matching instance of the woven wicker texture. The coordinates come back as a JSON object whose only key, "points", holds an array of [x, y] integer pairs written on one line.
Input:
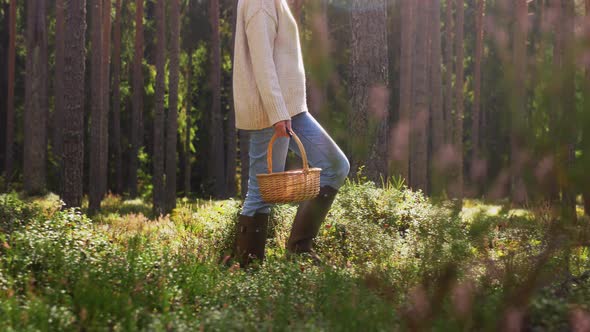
{"points": [[292, 186]]}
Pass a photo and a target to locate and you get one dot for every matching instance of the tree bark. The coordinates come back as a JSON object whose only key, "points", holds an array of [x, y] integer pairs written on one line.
{"points": [[420, 115], [172, 121], [318, 49], [569, 103], [437, 110], [457, 187], [10, 113], [4, 36], [187, 140], [98, 110], [518, 190], [401, 150], [448, 59], [217, 160], [115, 138], [106, 73], [232, 135], [479, 31], [369, 87], [158, 153], [138, 90], [586, 190], [73, 129], [36, 96], [58, 111], [476, 175]]}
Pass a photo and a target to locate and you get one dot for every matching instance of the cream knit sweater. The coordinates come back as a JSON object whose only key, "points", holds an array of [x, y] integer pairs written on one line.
{"points": [[268, 77]]}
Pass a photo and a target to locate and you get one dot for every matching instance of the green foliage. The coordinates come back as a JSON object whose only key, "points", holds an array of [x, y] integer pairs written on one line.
{"points": [[14, 213], [392, 259]]}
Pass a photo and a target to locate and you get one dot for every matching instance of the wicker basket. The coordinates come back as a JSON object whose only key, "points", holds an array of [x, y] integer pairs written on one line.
{"points": [[292, 186]]}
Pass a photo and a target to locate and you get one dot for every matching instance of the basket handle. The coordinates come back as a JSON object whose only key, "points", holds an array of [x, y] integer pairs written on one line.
{"points": [[299, 144]]}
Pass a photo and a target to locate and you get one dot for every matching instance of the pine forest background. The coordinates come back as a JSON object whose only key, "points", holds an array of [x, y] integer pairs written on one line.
{"points": [[480, 98]]}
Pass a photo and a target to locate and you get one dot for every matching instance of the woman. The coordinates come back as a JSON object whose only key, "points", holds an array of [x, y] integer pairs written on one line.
{"points": [[269, 95]]}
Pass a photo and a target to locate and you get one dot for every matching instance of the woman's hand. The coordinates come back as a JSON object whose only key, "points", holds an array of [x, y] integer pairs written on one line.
{"points": [[283, 128]]}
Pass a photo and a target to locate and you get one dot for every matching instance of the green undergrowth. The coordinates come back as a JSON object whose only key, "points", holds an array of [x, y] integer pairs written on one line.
{"points": [[393, 261]]}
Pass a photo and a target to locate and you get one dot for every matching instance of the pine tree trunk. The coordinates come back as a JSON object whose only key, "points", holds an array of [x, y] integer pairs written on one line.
{"points": [[476, 174], [401, 148], [457, 187], [73, 129], [172, 120], [420, 116], [115, 138], [569, 103], [448, 59], [556, 109], [97, 107], [138, 89], [369, 87], [518, 190], [106, 86], [232, 135], [187, 140], [437, 111], [4, 27], [36, 98], [10, 113], [318, 48], [58, 111], [586, 193], [217, 160], [158, 154]]}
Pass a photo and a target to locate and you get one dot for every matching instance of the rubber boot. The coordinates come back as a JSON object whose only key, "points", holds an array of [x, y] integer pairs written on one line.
{"points": [[308, 220], [251, 238]]}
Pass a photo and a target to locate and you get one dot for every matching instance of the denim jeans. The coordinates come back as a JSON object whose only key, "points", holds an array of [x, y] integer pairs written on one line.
{"points": [[322, 152]]}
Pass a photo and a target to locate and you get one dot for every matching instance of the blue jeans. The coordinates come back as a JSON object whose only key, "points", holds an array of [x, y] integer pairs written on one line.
{"points": [[322, 152]]}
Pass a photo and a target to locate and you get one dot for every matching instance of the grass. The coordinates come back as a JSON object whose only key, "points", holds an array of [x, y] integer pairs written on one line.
{"points": [[395, 261]]}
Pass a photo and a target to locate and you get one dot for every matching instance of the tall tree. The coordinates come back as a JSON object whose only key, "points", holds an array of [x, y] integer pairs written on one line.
{"points": [[217, 161], [115, 138], [420, 114], [4, 37], [401, 156], [369, 86], [10, 125], [518, 190], [586, 133], [476, 123], [137, 111], [73, 128], [436, 106], [563, 109], [158, 155], [570, 131], [106, 88], [448, 59], [457, 191], [187, 140], [98, 115], [172, 120], [59, 84], [36, 98], [231, 133]]}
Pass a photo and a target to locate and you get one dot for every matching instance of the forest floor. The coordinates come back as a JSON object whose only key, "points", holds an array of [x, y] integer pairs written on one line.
{"points": [[393, 261]]}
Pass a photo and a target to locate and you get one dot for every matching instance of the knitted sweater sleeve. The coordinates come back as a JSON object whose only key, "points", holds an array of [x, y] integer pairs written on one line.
{"points": [[261, 30]]}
